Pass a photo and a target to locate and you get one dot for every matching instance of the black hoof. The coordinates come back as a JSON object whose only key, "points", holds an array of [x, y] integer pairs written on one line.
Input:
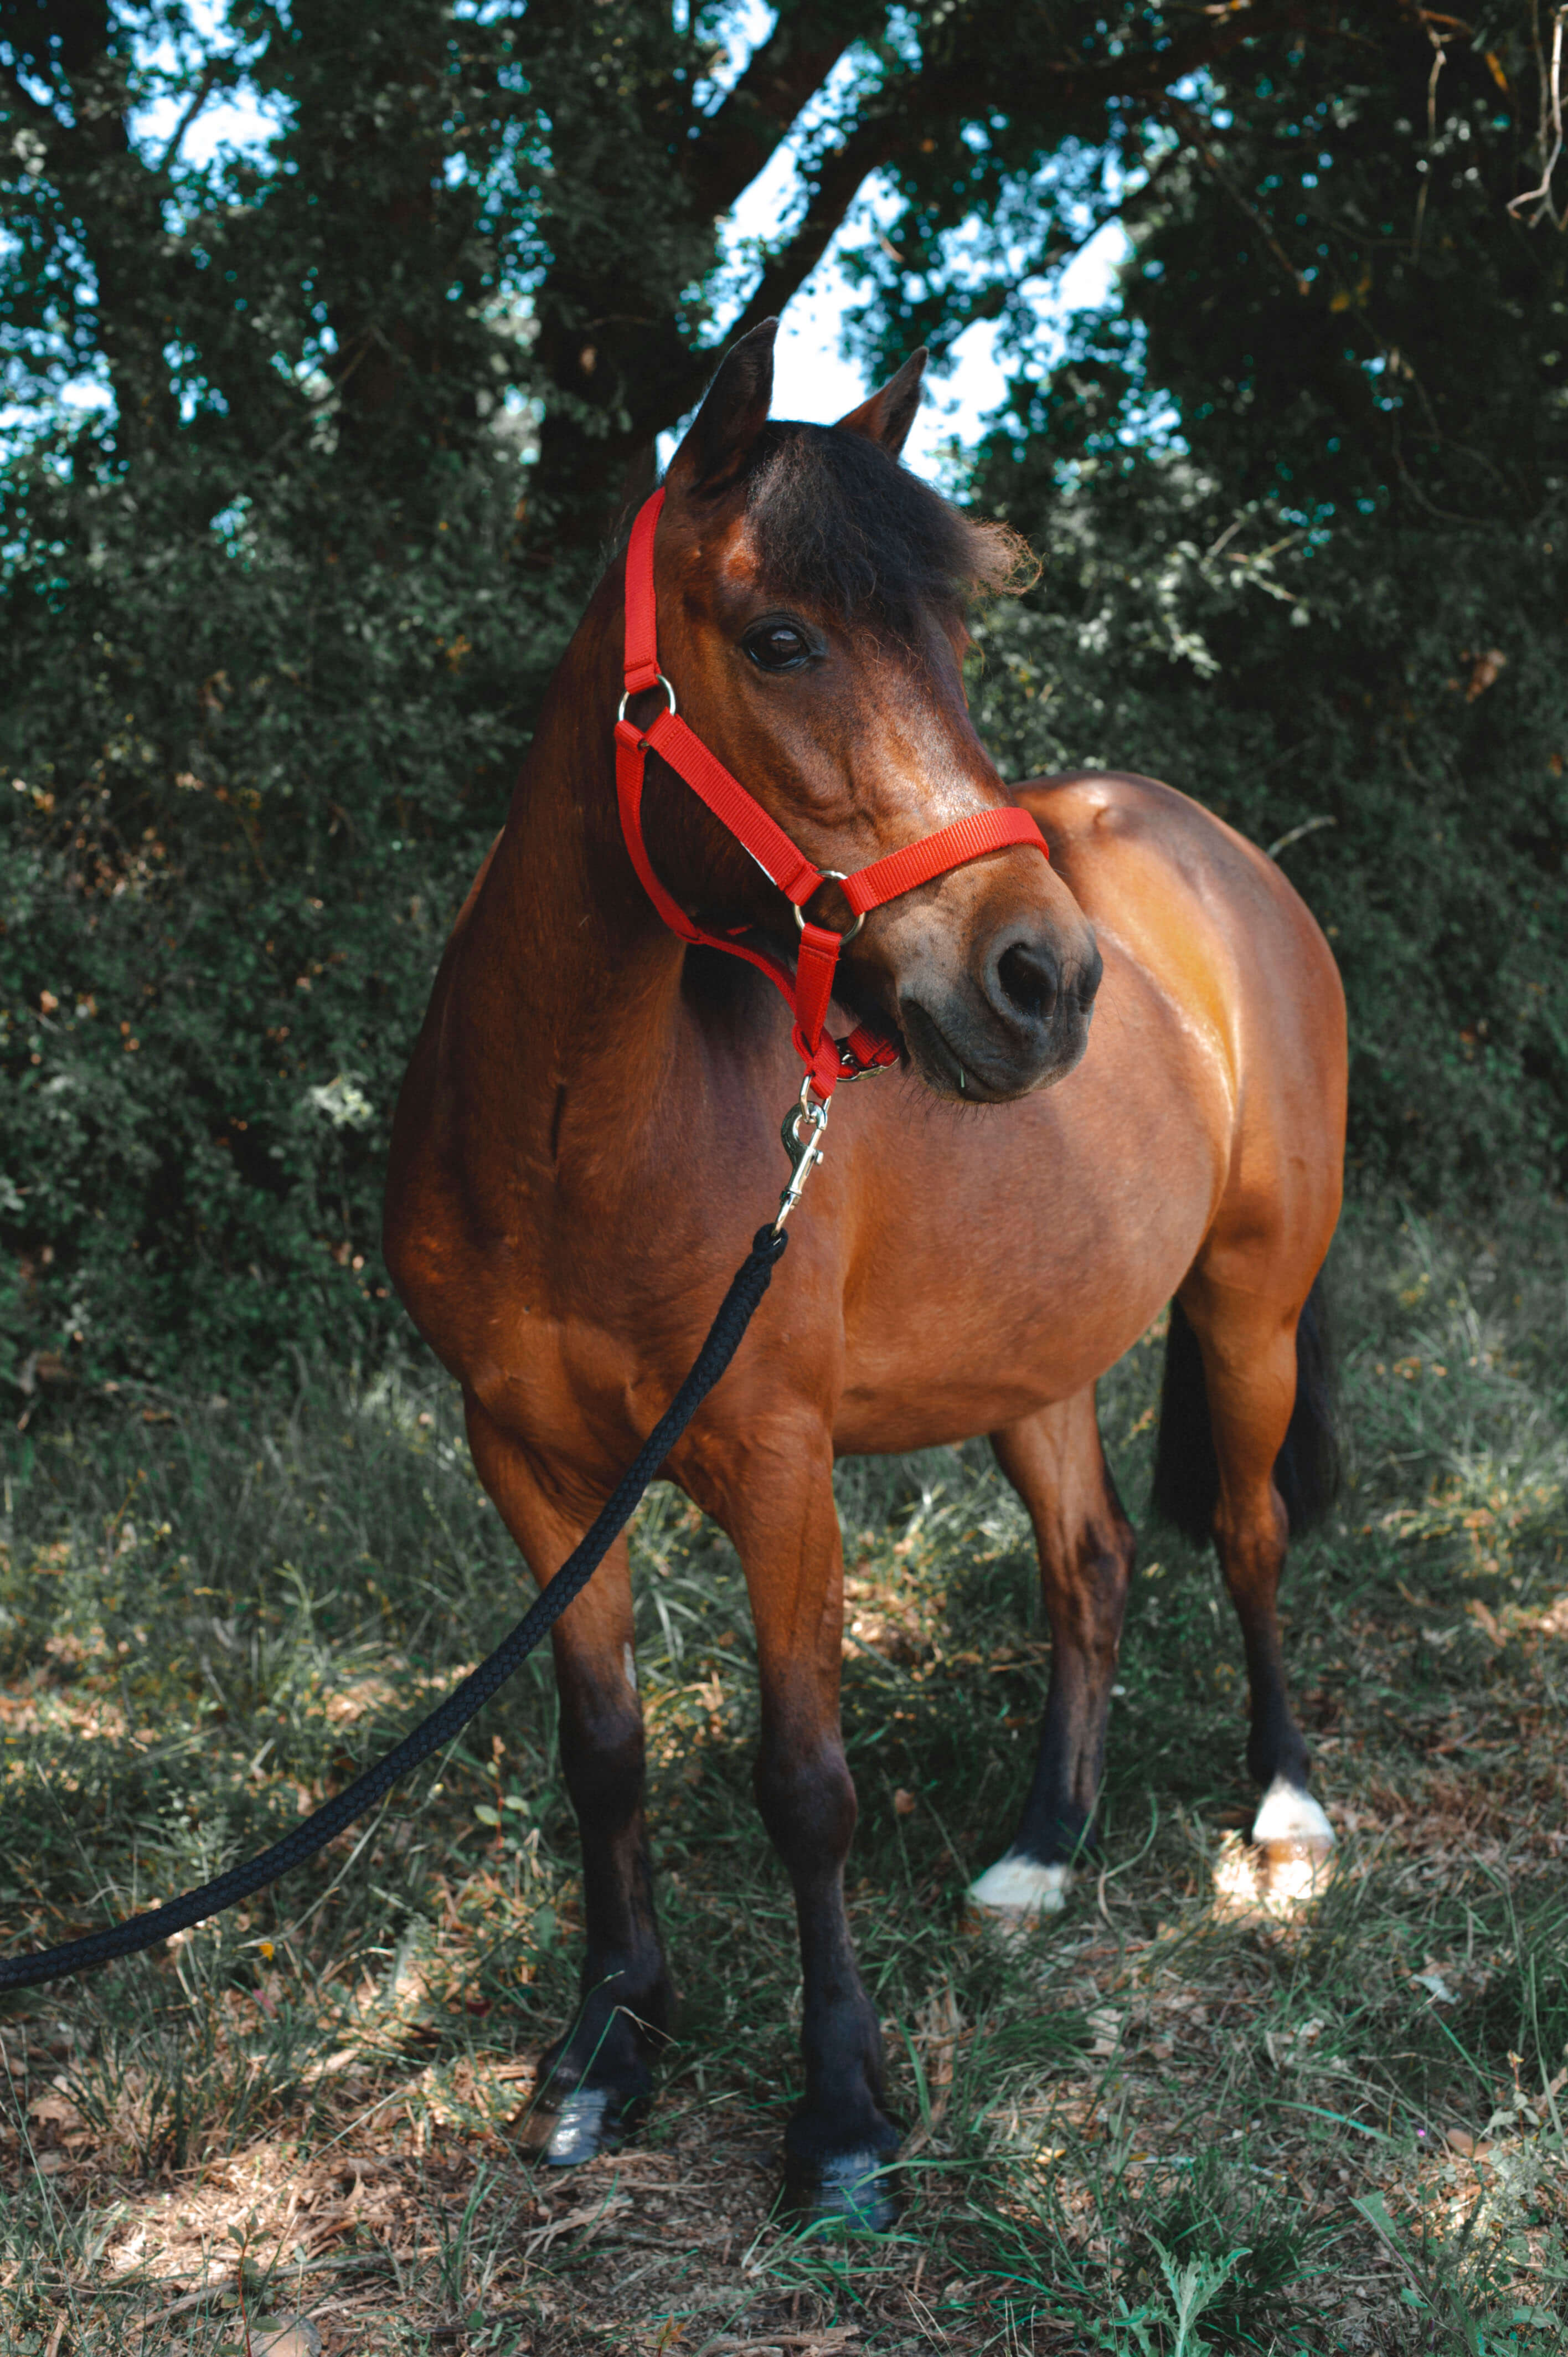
{"points": [[581, 2125], [847, 2193]]}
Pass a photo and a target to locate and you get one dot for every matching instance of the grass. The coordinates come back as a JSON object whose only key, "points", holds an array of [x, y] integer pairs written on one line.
{"points": [[1169, 2122]]}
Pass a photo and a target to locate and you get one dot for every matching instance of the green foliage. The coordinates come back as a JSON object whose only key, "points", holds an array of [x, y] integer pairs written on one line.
{"points": [[466, 204], [267, 659], [246, 786], [1301, 502], [312, 446], [1146, 2118]]}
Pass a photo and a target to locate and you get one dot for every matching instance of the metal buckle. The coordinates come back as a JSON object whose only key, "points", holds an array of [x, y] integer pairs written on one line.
{"points": [[804, 1153], [836, 876], [626, 699]]}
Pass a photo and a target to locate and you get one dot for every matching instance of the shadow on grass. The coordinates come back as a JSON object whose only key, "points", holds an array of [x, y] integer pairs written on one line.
{"points": [[1143, 2126]]}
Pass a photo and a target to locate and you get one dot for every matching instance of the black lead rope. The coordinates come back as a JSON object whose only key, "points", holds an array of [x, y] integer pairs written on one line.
{"points": [[750, 1283]]}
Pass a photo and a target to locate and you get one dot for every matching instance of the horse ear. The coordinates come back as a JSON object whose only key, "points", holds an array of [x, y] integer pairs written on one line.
{"points": [[734, 413], [888, 417]]}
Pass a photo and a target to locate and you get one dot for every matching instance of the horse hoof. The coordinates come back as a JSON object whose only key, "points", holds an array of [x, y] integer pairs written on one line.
{"points": [[589, 2120], [1288, 1817], [1293, 1841], [847, 2193], [1017, 1889]]}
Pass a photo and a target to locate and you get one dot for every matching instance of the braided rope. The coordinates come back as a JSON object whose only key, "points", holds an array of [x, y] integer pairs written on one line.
{"points": [[750, 1283]]}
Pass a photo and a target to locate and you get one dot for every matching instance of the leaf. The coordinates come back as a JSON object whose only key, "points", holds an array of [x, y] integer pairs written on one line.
{"points": [[287, 2335]]}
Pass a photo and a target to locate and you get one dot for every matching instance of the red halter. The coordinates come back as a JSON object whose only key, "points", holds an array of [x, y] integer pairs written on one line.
{"points": [[811, 988]]}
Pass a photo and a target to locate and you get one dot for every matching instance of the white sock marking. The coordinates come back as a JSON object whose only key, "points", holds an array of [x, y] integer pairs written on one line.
{"points": [[1289, 1815], [1022, 1887]]}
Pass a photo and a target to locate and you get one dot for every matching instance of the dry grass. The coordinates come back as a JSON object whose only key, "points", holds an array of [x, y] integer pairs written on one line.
{"points": [[1184, 2116]]}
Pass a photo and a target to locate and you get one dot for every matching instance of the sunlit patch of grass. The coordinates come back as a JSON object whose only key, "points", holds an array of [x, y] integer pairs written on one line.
{"points": [[1144, 2126], [1252, 1888]]}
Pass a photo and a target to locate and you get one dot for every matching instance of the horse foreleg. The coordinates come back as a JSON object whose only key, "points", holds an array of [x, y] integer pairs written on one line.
{"points": [[1250, 1377], [595, 2079], [1054, 1461], [773, 1493]]}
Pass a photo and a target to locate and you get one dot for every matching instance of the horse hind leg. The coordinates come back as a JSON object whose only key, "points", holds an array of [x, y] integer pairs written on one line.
{"points": [[1245, 1391], [1057, 1463]]}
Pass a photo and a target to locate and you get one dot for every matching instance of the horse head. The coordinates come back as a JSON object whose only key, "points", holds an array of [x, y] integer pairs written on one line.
{"points": [[813, 601]]}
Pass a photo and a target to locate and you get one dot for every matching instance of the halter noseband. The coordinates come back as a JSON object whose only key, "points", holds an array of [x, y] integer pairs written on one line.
{"points": [[811, 988]]}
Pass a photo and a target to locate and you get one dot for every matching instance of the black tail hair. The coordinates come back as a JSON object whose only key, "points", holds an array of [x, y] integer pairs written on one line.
{"points": [[1187, 1471]]}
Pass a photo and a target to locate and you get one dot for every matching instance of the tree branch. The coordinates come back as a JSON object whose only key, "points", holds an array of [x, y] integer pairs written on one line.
{"points": [[211, 74], [845, 174], [972, 71], [917, 108], [1197, 132], [783, 274], [781, 76]]}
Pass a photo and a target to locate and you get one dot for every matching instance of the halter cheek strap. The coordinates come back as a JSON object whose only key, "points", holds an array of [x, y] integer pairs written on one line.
{"points": [[811, 988]]}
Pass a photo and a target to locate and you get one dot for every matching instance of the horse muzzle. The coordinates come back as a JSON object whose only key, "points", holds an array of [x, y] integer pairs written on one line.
{"points": [[1017, 1023]]}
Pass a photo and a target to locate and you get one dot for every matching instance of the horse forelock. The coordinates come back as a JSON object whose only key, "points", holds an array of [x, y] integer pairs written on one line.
{"points": [[838, 523]]}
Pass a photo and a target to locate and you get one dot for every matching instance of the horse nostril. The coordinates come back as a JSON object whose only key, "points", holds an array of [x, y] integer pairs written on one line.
{"points": [[1030, 980]]}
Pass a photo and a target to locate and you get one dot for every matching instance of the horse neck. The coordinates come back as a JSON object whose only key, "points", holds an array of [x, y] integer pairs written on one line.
{"points": [[586, 971]]}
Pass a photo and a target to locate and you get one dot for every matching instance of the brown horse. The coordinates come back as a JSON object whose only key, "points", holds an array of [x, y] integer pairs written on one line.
{"points": [[589, 1130]]}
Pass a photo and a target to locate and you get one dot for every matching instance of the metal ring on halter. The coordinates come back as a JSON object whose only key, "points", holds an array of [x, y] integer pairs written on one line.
{"points": [[836, 876], [626, 699]]}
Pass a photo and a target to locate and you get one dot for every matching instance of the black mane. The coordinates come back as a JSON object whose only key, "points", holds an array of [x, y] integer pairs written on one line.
{"points": [[839, 523]]}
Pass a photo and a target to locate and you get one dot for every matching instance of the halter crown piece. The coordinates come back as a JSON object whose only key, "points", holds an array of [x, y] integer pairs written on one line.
{"points": [[811, 988]]}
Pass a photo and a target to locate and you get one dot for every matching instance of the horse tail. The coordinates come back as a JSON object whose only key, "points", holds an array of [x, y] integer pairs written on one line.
{"points": [[1187, 1471]]}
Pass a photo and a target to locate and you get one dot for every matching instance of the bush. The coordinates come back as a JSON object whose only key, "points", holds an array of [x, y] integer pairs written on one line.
{"points": [[1383, 703], [251, 770]]}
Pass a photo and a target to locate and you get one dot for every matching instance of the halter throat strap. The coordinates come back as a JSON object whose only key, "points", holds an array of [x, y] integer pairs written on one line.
{"points": [[811, 988]]}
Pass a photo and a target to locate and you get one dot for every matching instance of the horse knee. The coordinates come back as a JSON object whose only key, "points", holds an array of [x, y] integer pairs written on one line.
{"points": [[808, 1802], [1252, 1532], [603, 1758], [1089, 1614]]}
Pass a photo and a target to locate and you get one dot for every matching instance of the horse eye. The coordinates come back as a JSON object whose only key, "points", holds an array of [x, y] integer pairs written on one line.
{"points": [[776, 646]]}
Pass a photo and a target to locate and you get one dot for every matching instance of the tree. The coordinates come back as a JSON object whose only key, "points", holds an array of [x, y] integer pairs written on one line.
{"points": [[466, 202], [313, 446], [1303, 497]]}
